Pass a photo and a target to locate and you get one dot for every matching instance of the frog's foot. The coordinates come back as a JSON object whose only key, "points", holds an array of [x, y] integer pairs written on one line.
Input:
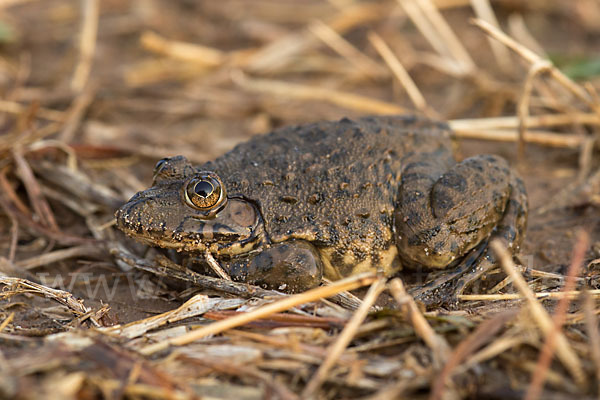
{"points": [[447, 288], [443, 287], [291, 267]]}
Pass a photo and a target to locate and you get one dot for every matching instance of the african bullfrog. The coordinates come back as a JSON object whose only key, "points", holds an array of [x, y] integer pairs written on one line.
{"points": [[330, 199]]}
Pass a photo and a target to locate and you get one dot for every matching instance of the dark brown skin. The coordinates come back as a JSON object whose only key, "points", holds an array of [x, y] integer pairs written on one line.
{"points": [[331, 199]]}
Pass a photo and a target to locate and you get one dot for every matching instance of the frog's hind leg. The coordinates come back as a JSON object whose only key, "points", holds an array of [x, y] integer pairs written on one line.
{"points": [[442, 215], [446, 213], [510, 229]]}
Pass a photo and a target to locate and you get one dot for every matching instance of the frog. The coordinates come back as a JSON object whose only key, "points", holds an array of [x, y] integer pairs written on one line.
{"points": [[303, 204]]}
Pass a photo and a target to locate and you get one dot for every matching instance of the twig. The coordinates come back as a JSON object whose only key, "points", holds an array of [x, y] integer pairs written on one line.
{"points": [[591, 325], [544, 138], [427, 29], [518, 30], [345, 299], [37, 199], [13, 107], [283, 304], [345, 49], [499, 286], [523, 104], [14, 232], [484, 10], [168, 269], [438, 33], [214, 265], [304, 92], [76, 112], [279, 319], [466, 347], [337, 348], [586, 157], [532, 121], [399, 72], [278, 389], [190, 52], [516, 296], [86, 250], [495, 348], [26, 220], [540, 315], [455, 46], [280, 52], [589, 86], [535, 388], [410, 310], [26, 138], [87, 44], [534, 58], [18, 285], [7, 321], [197, 305], [8, 192]]}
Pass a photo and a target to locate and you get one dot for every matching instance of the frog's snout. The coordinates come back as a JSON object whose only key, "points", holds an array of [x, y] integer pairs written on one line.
{"points": [[133, 219]]}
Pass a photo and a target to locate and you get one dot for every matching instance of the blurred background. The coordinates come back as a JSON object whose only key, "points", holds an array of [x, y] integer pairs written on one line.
{"points": [[159, 78]]}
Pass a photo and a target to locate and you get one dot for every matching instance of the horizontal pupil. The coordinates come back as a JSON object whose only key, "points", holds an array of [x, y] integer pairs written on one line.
{"points": [[203, 188]]}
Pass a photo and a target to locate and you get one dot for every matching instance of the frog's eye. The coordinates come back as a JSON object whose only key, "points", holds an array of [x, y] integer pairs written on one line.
{"points": [[160, 165], [177, 167], [205, 192]]}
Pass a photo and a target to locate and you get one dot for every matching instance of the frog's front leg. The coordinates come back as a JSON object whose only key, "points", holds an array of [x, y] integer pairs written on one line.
{"points": [[292, 267]]}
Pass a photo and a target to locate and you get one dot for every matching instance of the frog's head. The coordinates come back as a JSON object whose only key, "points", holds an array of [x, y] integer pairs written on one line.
{"points": [[188, 210]]}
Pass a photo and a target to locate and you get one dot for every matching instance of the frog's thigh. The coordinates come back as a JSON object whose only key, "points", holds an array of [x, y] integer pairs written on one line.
{"points": [[440, 217], [292, 267]]}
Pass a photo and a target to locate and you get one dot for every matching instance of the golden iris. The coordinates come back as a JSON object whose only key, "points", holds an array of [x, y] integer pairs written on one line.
{"points": [[205, 192]]}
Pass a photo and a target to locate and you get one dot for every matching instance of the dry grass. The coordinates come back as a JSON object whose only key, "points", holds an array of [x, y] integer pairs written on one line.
{"points": [[94, 92]]}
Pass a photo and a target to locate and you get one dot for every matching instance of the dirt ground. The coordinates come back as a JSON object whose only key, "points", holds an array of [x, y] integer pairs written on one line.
{"points": [[94, 93]]}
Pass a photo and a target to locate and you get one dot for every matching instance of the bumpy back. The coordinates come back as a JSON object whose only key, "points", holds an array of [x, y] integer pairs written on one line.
{"points": [[332, 183]]}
